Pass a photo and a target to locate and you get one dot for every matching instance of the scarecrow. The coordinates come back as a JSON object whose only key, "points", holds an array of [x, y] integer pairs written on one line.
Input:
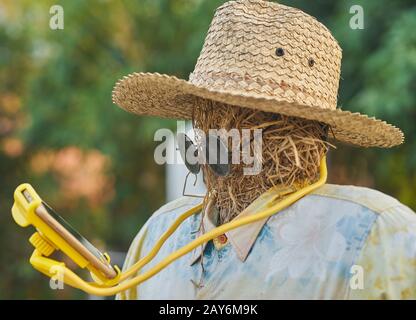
{"points": [[272, 67]]}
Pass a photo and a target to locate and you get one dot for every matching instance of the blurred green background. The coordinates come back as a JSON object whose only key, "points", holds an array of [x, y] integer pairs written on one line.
{"points": [[94, 162]]}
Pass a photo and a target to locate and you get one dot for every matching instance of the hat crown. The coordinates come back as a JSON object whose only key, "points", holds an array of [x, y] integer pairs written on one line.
{"points": [[271, 51]]}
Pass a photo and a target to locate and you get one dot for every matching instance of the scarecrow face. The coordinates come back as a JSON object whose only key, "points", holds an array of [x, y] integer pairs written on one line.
{"points": [[291, 152]]}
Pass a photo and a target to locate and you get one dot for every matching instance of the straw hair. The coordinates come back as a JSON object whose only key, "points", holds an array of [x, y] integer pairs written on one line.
{"points": [[291, 152], [264, 56]]}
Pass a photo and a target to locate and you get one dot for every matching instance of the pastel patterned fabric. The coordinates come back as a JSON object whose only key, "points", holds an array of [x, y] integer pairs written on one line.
{"points": [[339, 242]]}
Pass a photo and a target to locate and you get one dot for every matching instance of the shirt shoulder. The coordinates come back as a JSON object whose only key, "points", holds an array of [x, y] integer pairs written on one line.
{"points": [[151, 231], [384, 265], [350, 226], [374, 200], [162, 218], [165, 216], [174, 205], [390, 212]]}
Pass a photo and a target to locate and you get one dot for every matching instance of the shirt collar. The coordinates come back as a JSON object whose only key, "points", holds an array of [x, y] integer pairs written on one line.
{"points": [[243, 238]]}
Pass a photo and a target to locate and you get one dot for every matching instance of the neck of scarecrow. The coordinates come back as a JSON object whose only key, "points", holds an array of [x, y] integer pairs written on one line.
{"points": [[290, 154]]}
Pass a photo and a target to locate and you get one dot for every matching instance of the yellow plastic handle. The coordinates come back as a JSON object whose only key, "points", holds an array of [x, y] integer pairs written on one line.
{"points": [[112, 287], [91, 288], [47, 239]]}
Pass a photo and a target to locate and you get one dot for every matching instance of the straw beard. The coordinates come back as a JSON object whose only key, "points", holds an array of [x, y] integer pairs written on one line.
{"points": [[291, 153]]}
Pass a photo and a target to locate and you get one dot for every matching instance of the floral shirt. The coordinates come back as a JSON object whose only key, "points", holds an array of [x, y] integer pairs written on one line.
{"points": [[339, 242]]}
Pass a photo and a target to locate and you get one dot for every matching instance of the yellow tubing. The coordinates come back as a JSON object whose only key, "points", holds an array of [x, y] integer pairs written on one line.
{"points": [[73, 279], [145, 260]]}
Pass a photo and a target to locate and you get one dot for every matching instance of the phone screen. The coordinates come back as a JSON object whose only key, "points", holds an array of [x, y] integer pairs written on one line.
{"points": [[97, 253], [93, 250], [72, 237]]}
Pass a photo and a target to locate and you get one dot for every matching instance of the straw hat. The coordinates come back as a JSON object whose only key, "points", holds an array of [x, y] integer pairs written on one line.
{"points": [[264, 56]]}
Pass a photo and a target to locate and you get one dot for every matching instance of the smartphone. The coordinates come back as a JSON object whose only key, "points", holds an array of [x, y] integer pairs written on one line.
{"points": [[72, 237]]}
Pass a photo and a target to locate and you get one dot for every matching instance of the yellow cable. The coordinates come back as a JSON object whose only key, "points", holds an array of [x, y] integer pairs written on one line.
{"points": [[71, 277], [145, 260]]}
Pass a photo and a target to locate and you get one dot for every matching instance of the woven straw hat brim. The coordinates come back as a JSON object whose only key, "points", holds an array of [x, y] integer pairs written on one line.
{"points": [[166, 96]]}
